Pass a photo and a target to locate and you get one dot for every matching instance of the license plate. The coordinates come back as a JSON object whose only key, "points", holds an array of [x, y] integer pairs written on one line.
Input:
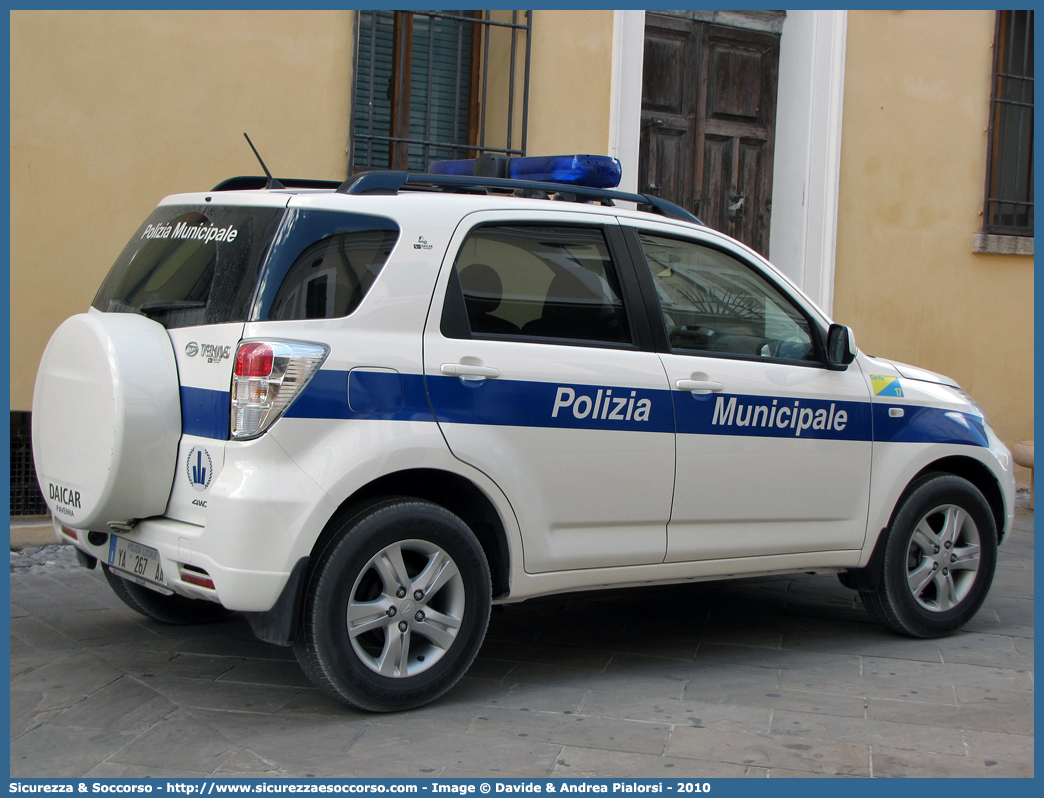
{"points": [[138, 563]]}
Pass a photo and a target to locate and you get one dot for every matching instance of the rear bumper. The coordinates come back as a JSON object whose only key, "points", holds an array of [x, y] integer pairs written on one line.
{"points": [[234, 588], [263, 515]]}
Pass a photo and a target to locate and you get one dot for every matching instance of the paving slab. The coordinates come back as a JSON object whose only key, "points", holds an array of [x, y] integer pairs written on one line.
{"points": [[587, 731], [992, 745], [869, 732], [982, 717], [774, 677], [597, 763], [903, 763], [781, 698], [56, 751], [416, 752], [124, 705], [771, 751]]}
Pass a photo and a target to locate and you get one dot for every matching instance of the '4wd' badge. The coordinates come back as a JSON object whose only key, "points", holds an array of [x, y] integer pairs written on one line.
{"points": [[199, 467]]}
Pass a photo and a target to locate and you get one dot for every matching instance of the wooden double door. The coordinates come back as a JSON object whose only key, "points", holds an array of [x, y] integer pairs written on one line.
{"points": [[708, 122]]}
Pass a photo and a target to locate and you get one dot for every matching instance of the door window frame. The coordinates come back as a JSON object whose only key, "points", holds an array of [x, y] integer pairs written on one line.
{"points": [[454, 316]]}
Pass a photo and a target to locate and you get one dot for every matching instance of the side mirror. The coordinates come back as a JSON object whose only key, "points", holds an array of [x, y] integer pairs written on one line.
{"points": [[841, 347]]}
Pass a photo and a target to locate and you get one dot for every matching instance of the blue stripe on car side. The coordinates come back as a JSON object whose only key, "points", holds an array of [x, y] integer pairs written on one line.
{"points": [[928, 425], [519, 403], [205, 413], [772, 416], [391, 396], [326, 396]]}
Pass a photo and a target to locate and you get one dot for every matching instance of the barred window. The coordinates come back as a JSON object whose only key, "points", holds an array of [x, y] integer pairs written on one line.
{"points": [[426, 87], [1009, 178]]}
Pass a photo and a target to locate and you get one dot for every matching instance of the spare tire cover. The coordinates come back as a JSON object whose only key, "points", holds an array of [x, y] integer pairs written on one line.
{"points": [[106, 419]]}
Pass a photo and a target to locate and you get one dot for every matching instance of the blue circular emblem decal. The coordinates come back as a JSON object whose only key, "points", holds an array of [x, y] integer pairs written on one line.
{"points": [[199, 468]]}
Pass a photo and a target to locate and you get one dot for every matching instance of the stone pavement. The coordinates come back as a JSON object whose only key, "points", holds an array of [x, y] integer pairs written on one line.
{"points": [[768, 677]]}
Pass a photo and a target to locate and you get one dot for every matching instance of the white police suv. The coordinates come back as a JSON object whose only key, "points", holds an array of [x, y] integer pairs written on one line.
{"points": [[360, 413]]}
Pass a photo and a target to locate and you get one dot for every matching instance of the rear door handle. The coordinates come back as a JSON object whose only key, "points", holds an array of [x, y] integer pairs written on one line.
{"points": [[700, 386], [467, 370]]}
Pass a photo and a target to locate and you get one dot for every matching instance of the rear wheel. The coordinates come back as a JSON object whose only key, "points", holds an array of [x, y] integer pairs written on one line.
{"points": [[396, 607], [939, 559], [173, 609]]}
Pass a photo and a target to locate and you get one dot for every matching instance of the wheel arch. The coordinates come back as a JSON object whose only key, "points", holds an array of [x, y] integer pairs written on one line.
{"points": [[976, 472], [456, 493]]}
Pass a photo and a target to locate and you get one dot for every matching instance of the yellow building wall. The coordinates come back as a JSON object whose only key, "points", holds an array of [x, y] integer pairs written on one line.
{"points": [[570, 82], [113, 110], [913, 166], [572, 66]]}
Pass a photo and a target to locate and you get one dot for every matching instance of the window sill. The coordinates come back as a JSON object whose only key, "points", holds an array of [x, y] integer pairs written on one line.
{"points": [[1002, 245]]}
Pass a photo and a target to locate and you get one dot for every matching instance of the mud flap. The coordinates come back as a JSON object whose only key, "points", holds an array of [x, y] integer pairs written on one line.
{"points": [[279, 624]]}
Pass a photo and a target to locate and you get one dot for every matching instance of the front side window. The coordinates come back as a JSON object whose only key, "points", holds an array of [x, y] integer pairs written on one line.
{"points": [[541, 282], [713, 303]]}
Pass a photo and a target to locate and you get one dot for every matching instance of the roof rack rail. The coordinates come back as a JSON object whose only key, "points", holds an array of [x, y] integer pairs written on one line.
{"points": [[254, 182], [390, 182]]}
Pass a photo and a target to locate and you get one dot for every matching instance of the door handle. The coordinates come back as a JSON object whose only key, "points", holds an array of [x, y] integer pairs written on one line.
{"points": [[467, 370], [736, 209], [699, 386]]}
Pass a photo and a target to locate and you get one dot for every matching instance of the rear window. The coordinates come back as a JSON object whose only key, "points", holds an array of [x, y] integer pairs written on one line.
{"points": [[190, 265], [193, 265]]}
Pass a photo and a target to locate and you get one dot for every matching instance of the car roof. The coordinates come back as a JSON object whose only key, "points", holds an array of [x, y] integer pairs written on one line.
{"points": [[573, 188], [435, 202]]}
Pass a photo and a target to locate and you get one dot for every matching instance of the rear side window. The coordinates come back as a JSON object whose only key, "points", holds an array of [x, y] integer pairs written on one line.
{"points": [[190, 265], [330, 278], [322, 264], [541, 282]]}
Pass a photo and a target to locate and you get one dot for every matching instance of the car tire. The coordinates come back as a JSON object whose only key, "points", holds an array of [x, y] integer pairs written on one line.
{"points": [[939, 559], [175, 610], [396, 606]]}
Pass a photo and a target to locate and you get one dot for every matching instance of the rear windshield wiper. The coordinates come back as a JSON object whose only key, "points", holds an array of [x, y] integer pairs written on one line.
{"points": [[149, 308]]}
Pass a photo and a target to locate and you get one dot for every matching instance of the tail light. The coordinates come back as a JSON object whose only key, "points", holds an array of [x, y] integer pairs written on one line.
{"points": [[267, 377]]}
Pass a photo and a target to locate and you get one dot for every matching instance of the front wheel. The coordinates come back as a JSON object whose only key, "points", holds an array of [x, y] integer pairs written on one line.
{"points": [[396, 607], [939, 559]]}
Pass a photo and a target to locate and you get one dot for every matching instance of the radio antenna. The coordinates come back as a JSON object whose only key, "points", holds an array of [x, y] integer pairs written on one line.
{"points": [[272, 182]]}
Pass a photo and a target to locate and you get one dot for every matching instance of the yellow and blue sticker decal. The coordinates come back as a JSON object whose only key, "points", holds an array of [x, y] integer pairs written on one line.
{"points": [[886, 386]]}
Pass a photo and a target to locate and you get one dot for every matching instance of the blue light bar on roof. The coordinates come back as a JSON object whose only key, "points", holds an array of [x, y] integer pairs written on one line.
{"points": [[588, 171], [592, 171], [465, 168]]}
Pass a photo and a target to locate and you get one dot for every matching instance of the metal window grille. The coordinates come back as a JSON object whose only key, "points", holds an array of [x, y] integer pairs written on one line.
{"points": [[26, 498], [1009, 175], [421, 84]]}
